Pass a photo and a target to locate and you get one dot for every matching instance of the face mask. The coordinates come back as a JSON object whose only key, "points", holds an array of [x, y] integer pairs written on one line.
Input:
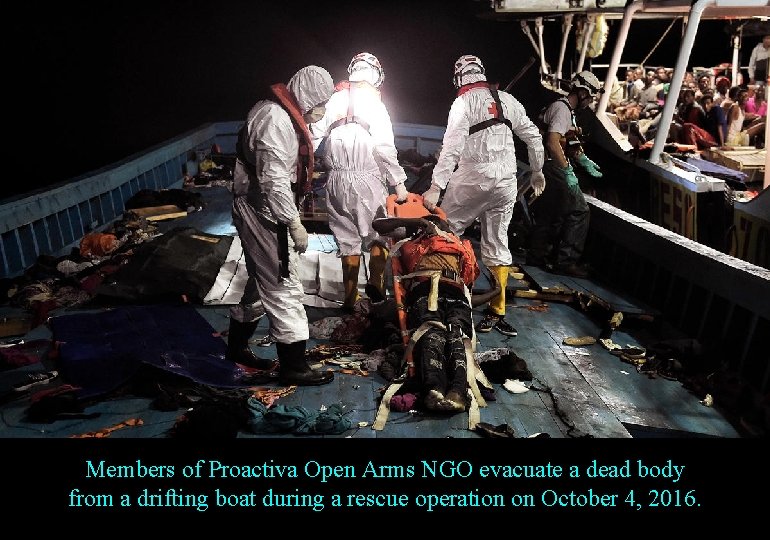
{"points": [[315, 114]]}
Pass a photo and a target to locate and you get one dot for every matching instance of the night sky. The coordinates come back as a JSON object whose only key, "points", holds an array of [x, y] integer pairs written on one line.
{"points": [[94, 82]]}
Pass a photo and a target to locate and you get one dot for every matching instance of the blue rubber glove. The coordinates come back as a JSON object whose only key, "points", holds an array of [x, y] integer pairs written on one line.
{"points": [[569, 176], [591, 167]]}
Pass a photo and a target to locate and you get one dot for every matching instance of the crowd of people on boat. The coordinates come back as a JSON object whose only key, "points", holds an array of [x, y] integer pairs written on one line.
{"points": [[712, 110]]}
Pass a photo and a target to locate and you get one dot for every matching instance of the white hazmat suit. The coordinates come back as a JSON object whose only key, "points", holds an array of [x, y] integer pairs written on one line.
{"points": [[484, 186], [266, 216], [362, 160]]}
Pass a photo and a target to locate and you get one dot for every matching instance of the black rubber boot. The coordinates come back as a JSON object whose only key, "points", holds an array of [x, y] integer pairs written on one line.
{"points": [[294, 370], [238, 349]]}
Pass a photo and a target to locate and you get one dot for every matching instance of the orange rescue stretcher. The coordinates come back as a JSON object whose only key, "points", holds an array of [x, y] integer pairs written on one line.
{"points": [[413, 207]]}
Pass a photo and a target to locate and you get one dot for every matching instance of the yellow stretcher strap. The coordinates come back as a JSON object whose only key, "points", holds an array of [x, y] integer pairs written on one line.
{"points": [[417, 334], [384, 409], [474, 415], [471, 372], [435, 277]]}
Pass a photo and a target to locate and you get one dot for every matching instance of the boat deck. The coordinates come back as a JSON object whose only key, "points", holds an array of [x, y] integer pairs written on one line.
{"points": [[576, 390]]}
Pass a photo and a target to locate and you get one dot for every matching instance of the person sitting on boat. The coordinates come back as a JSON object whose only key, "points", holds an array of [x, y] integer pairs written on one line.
{"points": [[438, 271], [690, 119], [704, 86], [561, 213], [743, 127], [642, 101], [757, 104], [715, 121], [722, 85], [274, 150]]}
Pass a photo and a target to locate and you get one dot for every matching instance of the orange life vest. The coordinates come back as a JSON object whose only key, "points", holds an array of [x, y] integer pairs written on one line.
{"points": [[305, 157], [413, 251]]}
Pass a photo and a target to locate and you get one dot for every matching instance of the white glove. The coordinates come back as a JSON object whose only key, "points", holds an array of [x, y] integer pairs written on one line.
{"points": [[537, 180], [430, 197], [401, 192], [298, 234]]}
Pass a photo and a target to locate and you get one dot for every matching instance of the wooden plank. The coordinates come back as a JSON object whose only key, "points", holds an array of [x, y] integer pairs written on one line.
{"points": [[548, 282], [575, 397], [164, 217], [525, 413], [637, 399], [151, 212], [633, 397]]}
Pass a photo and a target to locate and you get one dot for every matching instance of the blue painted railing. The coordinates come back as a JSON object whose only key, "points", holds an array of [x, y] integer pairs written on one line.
{"points": [[52, 221]]}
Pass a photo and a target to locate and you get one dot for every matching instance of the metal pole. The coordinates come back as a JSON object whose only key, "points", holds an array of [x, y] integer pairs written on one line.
{"points": [[566, 27], [676, 79], [612, 71], [539, 28], [586, 39], [736, 60]]}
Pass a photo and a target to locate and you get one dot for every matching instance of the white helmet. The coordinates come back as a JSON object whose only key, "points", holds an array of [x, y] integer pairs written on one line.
{"points": [[367, 61], [468, 69], [588, 81]]}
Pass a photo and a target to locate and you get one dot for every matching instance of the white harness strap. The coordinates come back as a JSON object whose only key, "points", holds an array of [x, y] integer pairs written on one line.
{"points": [[435, 276], [384, 409], [471, 371], [417, 334], [474, 415]]}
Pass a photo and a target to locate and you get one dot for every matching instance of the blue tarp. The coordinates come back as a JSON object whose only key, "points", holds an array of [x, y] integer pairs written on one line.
{"points": [[718, 171], [101, 351]]}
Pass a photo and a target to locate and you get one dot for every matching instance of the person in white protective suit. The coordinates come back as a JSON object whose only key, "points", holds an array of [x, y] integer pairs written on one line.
{"points": [[274, 150], [561, 215], [479, 141], [361, 157]]}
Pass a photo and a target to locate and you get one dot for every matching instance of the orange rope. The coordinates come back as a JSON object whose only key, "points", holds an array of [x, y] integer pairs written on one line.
{"points": [[106, 432]]}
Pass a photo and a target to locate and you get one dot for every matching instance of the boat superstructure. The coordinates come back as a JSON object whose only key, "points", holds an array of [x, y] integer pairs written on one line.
{"points": [[661, 188]]}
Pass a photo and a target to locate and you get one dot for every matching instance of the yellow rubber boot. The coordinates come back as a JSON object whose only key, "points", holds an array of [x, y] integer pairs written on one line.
{"points": [[378, 257], [350, 267], [497, 304]]}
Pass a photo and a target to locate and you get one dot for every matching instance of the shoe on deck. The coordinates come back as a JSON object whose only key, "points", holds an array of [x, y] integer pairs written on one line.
{"points": [[504, 328], [35, 379], [497, 322], [487, 323], [501, 431]]}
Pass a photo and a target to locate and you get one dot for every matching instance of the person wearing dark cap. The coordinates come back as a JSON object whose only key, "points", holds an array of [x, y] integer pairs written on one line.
{"points": [[561, 213]]}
